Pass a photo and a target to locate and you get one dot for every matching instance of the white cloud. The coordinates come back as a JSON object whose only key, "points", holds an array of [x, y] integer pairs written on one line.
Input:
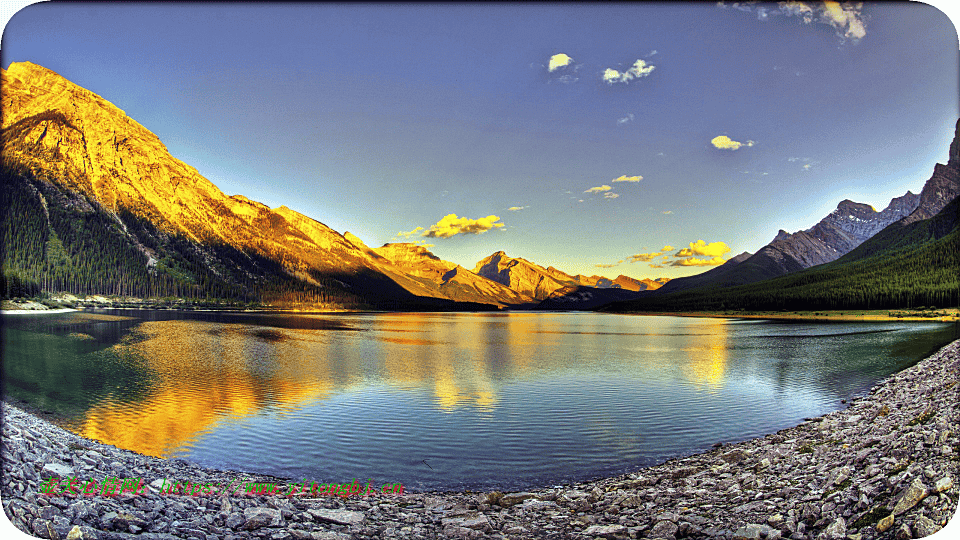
{"points": [[628, 118], [598, 189], [558, 61], [726, 143], [452, 225], [625, 178], [640, 68], [610, 195]]}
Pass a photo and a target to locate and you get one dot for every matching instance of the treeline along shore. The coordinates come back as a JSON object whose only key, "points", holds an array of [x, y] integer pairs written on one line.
{"points": [[884, 467]]}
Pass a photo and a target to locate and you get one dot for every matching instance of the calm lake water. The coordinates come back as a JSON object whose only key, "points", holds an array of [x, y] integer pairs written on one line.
{"points": [[441, 401]]}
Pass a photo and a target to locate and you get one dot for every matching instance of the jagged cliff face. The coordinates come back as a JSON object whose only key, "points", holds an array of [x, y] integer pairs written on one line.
{"points": [[942, 187], [842, 230], [522, 276]]}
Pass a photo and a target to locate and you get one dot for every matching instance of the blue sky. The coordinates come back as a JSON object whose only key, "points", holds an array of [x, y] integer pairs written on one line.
{"points": [[379, 119]]}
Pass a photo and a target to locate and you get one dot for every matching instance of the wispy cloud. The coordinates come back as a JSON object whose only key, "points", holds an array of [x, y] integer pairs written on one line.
{"points": [[598, 189], [667, 212], [846, 18], [640, 68], [408, 234], [452, 225], [647, 257], [628, 118], [610, 195], [624, 178], [693, 261], [517, 208], [607, 265], [807, 162], [726, 143]]}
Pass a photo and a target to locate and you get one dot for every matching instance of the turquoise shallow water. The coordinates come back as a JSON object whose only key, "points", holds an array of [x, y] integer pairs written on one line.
{"points": [[442, 401]]}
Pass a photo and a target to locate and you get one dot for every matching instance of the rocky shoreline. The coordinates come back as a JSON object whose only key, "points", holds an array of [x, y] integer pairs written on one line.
{"points": [[885, 467]]}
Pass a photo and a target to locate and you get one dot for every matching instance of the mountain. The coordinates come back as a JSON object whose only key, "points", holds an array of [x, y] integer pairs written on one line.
{"points": [[835, 235], [449, 279], [914, 261], [839, 232], [524, 276], [621, 282], [908, 264], [94, 203], [556, 290]]}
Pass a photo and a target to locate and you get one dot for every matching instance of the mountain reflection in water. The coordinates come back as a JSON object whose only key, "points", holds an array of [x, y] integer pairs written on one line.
{"points": [[505, 399]]}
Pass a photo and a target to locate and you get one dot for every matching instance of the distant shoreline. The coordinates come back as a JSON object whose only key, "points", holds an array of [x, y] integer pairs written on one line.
{"points": [[849, 315]]}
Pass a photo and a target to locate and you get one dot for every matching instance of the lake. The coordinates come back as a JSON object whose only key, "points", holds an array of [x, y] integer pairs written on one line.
{"points": [[441, 401]]}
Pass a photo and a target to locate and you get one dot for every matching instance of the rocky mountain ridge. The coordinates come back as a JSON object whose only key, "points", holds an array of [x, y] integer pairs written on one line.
{"points": [[524, 276], [837, 234], [65, 146]]}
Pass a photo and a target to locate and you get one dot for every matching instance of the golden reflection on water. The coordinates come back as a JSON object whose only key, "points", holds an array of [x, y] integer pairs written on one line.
{"points": [[455, 372], [707, 360], [204, 372]]}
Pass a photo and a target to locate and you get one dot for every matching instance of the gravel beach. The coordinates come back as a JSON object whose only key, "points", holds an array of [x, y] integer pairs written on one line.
{"points": [[884, 467]]}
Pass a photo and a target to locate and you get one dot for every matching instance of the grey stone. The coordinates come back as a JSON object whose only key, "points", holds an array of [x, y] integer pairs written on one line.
{"points": [[605, 530], [341, 517], [258, 517], [471, 520], [56, 470], [754, 531], [234, 521], [924, 526], [943, 484], [664, 529], [835, 531], [904, 532]]}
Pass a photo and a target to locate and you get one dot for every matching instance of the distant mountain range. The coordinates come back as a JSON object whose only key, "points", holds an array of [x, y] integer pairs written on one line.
{"points": [[93, 203], [837, 234], [913, 260]]}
